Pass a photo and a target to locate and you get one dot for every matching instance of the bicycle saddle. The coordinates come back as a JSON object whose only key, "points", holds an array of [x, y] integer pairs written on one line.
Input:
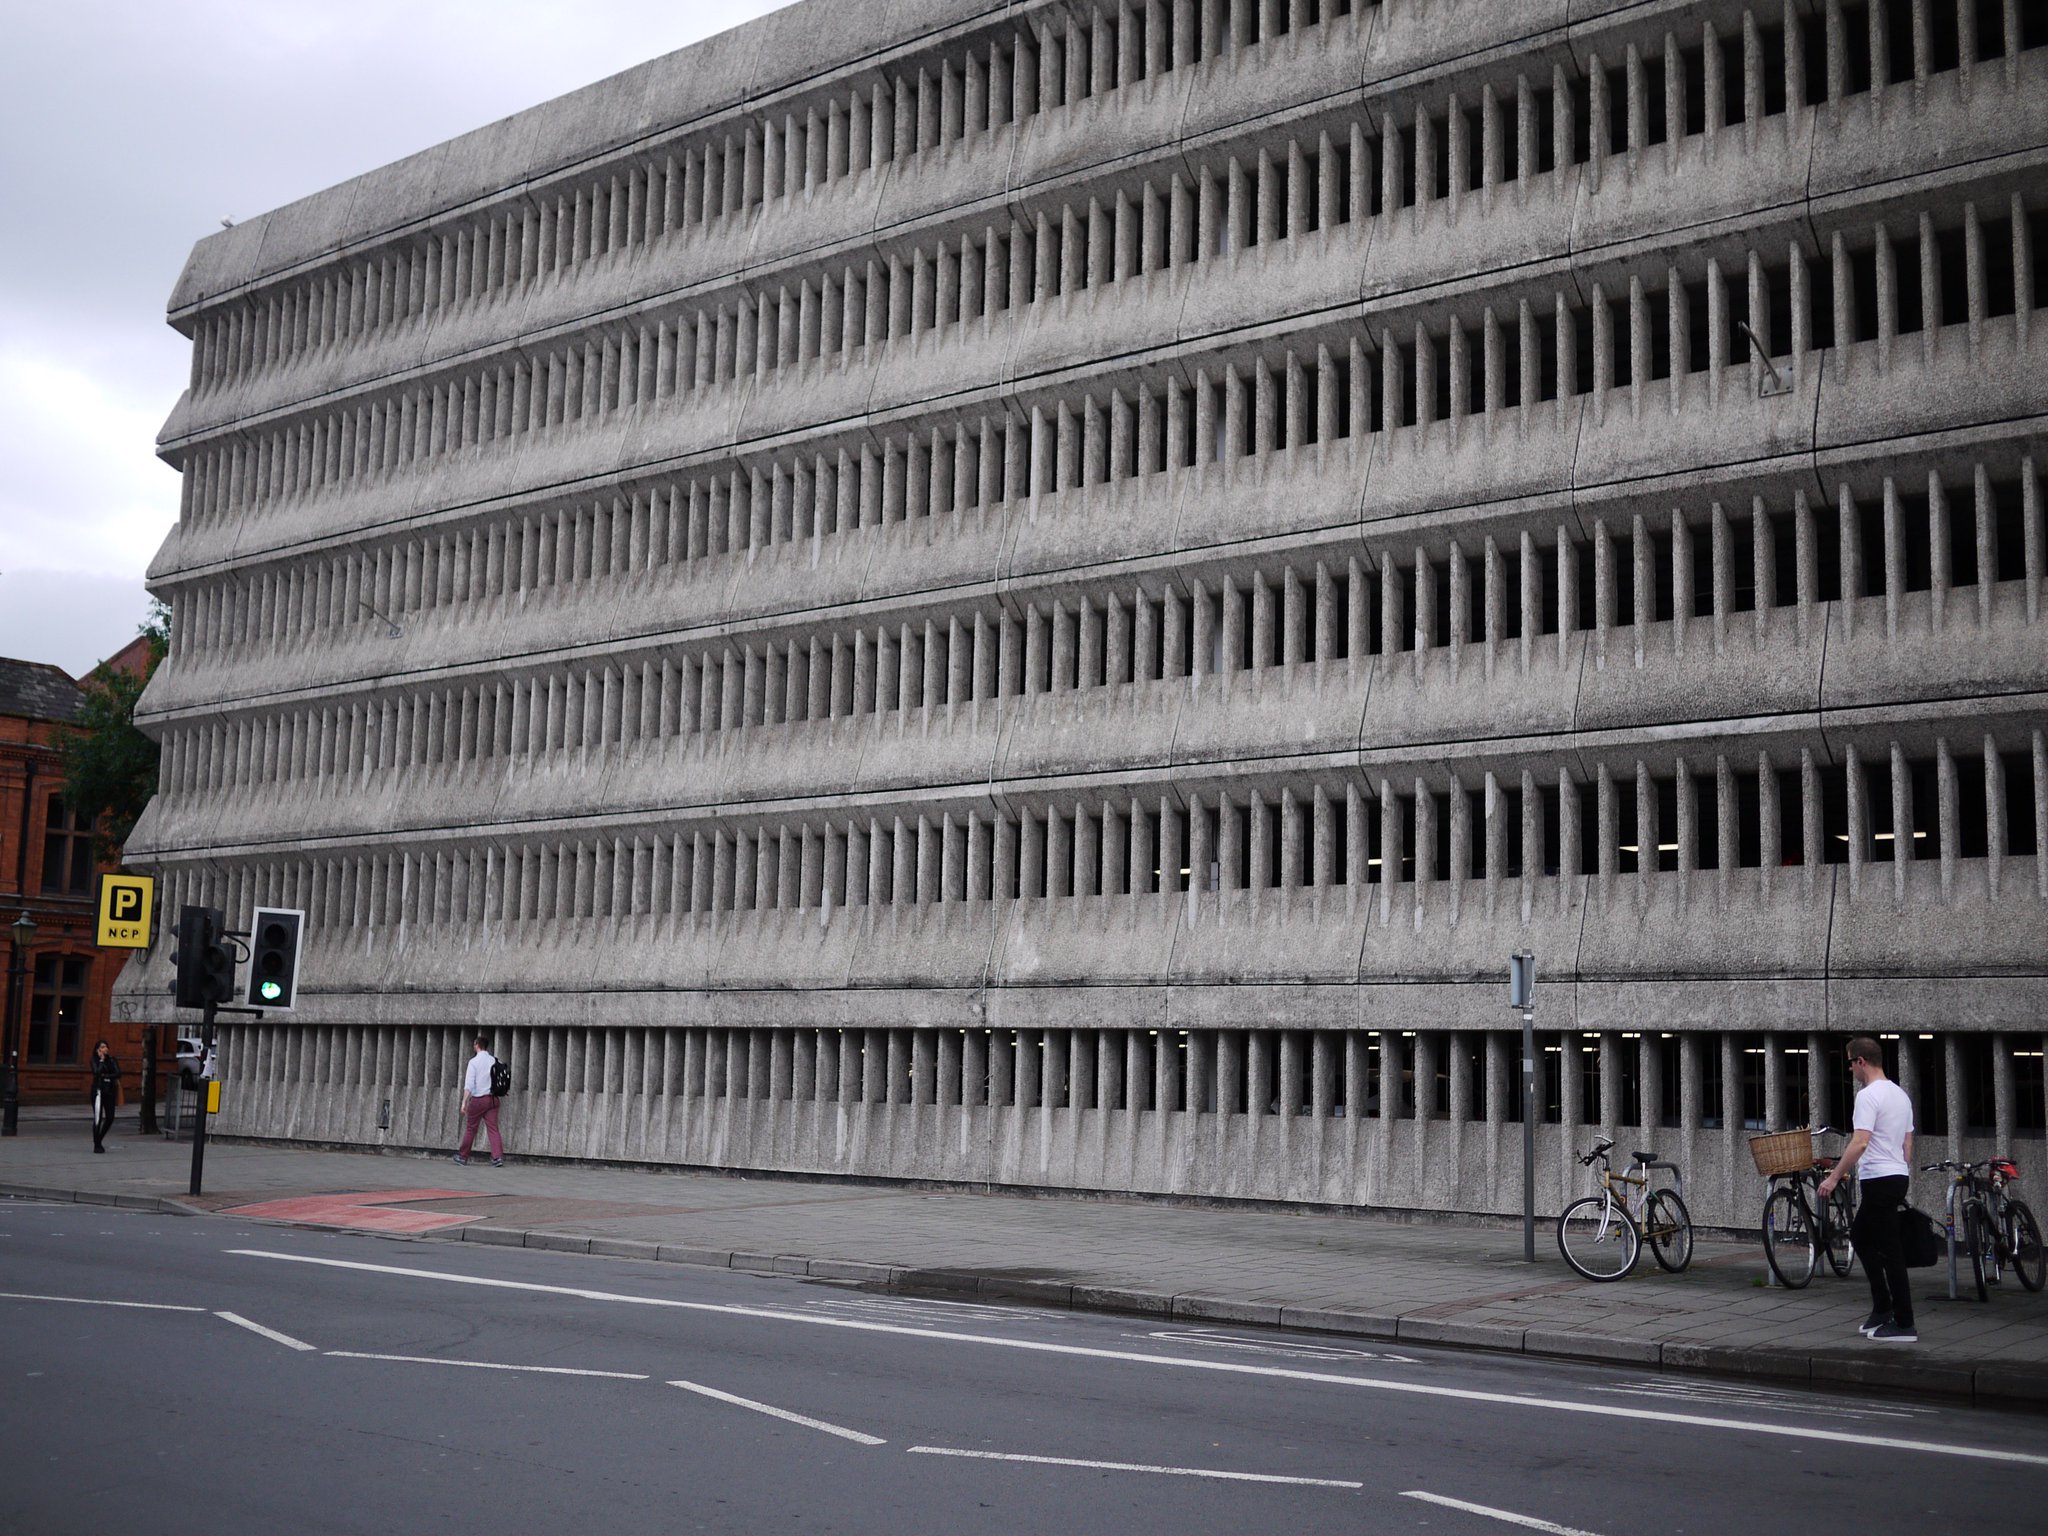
{"points": [[1645, 1157]]}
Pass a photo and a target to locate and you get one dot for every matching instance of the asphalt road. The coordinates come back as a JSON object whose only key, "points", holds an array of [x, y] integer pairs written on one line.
{"points": [[270, 1379]]}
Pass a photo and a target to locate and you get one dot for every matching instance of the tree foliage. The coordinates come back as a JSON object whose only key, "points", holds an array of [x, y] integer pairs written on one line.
{"points": [[109, 765]]}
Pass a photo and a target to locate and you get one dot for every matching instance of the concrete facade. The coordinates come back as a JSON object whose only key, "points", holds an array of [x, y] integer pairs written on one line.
{"points": [[1041, 593]]}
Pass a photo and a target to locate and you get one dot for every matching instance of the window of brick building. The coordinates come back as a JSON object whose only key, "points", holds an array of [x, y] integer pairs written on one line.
{"points": [[56, 1009], [67, 851]]}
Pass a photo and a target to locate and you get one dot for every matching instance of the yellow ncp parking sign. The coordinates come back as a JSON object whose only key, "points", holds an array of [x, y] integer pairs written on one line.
{"points": [[126, 905]]}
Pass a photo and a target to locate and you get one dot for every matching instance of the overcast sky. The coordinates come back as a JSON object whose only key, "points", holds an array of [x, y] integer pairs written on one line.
{"points": [[128, 130]]}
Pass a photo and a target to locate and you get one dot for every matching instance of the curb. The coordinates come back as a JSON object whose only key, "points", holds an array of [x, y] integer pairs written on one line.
{"points": [[2003, 1386], [2000, 1386], [162, 1205]]}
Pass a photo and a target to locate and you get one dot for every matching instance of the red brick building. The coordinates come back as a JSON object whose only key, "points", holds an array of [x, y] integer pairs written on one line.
{"points": [[48, 869]]}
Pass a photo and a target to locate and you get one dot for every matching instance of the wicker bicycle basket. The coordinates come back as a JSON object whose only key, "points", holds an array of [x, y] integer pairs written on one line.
{"points": [[1782, 1152]]}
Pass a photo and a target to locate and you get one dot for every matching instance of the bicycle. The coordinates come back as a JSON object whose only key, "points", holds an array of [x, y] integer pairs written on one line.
{"points": [[1601, 1236], [1996, 1229], [2019, 1234], [1799, 1226]]}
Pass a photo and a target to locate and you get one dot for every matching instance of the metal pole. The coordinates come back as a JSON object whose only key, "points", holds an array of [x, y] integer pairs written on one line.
{"points": [[146, 1121], [1770, 1274], [1529, 1134], [1951, 1209], [199, 1115], [10, 1094]]}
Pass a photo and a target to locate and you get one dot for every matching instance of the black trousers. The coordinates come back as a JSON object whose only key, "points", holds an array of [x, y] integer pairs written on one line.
{"points": [[102, 1114], [1875, 1233]]}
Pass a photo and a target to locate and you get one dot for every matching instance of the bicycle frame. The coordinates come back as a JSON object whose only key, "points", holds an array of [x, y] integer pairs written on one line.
{"points": [[1985, 1189], [1805, 1186], [1625, 1198], [1635, 1199], [1998, 1202]]}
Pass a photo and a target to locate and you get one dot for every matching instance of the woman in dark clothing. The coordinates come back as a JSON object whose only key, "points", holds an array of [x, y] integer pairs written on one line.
{"points": [[106, 1093]]}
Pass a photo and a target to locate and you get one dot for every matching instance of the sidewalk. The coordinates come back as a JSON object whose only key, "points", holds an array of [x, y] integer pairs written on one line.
{"points": [[1358, 1275]]}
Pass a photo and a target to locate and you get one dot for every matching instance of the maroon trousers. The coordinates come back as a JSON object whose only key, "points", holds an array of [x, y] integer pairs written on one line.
{"points": [[484, 1108]]}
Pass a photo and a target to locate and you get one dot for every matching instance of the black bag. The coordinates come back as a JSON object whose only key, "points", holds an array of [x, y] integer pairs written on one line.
{"points": [[1920, 1239], [501, 1081]]}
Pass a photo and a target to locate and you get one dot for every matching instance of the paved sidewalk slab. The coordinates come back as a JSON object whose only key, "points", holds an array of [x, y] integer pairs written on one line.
{"points": [[1353, 1274]]}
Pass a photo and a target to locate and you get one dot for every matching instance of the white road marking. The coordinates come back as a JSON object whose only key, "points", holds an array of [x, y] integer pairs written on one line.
{"points": [[1135, 1466], [1498, 1514], [487, 1365], [1723, 1395], [269, 1333], [779, 1413], [908, 1311], [94, 1301], [1228, 1367], [1298, 1349]]}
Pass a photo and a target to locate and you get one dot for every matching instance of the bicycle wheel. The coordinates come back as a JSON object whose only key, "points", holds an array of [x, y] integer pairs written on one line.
{"points": [[2023, 1241], [1790, 1244], [1841, 1212], [1667, 1227], [1598, 1239], [1976, 1233], [1993, 1248]]}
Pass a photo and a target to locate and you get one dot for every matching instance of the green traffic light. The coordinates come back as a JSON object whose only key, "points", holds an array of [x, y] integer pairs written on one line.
{"points": [[270, 991]]}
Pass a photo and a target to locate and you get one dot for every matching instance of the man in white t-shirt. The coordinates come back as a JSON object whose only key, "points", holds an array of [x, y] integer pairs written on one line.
{"points": [[480, 1104], [1881, 1152]]}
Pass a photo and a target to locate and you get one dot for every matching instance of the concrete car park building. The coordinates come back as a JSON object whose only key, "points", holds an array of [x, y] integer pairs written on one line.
{"points": [[1040, 593]]}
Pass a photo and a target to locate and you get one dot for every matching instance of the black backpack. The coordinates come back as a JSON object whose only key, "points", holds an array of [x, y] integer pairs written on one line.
{"points": [[501, 1079]]}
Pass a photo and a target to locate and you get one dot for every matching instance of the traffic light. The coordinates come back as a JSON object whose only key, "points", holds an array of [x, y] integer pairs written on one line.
{"points": [[206, 968], [274, 957]]}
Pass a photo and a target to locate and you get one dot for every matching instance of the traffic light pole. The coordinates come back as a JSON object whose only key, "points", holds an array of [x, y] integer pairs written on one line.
{"points": [[206, 1031], [199, 1119], [206, 980]]}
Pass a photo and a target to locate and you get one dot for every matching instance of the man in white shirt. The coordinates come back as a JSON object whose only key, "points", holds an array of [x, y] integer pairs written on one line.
{"points": [[1881, 1152], [480, 1104]]}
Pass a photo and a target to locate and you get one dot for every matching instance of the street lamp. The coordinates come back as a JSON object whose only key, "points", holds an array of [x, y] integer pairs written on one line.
{"points": [[23, 931]]}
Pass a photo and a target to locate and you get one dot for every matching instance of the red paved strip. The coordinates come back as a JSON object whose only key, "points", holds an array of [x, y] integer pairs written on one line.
{"points": [[407, 1196], [368, 1211]]}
